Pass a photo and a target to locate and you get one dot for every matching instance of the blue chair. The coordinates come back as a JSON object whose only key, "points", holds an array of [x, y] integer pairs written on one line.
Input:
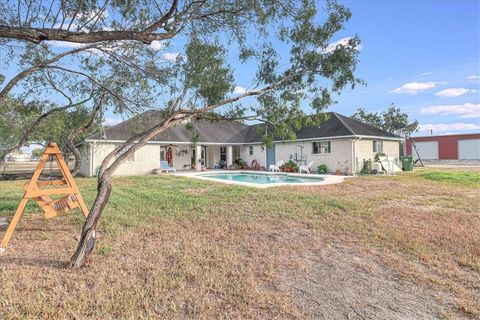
{"points": [[165, 167]]}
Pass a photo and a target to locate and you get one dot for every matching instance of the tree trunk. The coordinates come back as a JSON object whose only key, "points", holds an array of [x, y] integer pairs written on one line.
{"points": [[76, 153], [87, 240]]}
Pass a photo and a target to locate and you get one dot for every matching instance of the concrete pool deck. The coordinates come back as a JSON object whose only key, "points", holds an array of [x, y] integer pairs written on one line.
{"points": [[327, 178]]}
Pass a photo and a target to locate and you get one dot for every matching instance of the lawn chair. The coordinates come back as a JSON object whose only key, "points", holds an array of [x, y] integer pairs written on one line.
{"points": [[165, 167], [305, 168], [276, 167]]}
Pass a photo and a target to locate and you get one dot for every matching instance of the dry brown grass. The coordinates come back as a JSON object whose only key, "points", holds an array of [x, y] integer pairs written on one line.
{"points": [[381, 247]]}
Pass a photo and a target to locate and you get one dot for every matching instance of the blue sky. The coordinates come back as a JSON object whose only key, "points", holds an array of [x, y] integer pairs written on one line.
{"points": [[423, 56]]}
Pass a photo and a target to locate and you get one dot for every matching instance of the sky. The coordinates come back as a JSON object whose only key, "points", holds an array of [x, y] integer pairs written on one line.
{"points": [[422, 56]]}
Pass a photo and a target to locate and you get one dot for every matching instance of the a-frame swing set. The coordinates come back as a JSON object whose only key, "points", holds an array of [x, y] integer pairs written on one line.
{"points": [[41, 190]]}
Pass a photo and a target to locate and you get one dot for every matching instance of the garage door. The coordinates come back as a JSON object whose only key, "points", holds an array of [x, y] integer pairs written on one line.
{"points": [[427, 150], [469, 149]]}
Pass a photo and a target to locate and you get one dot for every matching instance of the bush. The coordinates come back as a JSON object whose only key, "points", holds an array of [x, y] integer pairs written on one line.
{"points": [[367, 167], [322, 168]]}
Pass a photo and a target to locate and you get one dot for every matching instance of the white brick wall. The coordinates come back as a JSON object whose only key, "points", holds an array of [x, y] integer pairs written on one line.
{"points": [[364, 151], [258, 154], [340, 156]]}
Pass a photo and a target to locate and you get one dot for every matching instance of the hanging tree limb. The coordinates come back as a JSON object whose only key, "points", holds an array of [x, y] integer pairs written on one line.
{"points": [[40, 66]]}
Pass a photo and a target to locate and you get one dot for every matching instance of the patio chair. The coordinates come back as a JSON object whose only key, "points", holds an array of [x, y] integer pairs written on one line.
{"points": [[165, 167], [276, 167], [305, 168]]}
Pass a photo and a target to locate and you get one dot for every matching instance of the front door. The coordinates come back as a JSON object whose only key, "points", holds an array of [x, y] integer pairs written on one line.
{"points": [[270, 156]]}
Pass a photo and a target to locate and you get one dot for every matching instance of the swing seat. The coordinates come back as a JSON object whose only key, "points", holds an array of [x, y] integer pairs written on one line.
{"points": [[52, 208]]}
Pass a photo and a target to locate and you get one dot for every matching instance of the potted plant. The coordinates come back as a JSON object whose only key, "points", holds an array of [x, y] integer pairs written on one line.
{"points": [[337, 170], [243, 165], [290, 166]]}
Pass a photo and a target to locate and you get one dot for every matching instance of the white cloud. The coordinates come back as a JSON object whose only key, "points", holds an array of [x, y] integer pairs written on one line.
{"points": [[342, 42], [454, 92], [111, 121], [170, 56], [448, 127], [157, 45], [466, 110], [239, 90], [473, 77], [415, 87], [426, 73]]}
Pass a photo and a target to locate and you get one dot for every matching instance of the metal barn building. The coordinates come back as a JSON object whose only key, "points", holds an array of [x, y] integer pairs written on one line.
{"points": [[446, 147]]}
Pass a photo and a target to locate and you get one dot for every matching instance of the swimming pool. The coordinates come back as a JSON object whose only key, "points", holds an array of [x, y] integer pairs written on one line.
{"points": [[261, 178]]}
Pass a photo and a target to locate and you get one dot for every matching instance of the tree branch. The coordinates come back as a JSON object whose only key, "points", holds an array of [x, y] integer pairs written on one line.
{"points": [[154, 26], [38, 35]]}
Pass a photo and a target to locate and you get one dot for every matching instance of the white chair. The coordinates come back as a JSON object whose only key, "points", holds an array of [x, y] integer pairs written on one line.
{"points": [[305, 168], [275, 167], [165, 167]]}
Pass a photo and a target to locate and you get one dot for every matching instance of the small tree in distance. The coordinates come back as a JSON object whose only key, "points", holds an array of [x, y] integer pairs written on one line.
{"points": [[37, 153], [392, 120]]}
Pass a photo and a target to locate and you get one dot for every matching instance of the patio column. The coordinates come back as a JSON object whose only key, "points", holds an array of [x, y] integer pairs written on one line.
{"points": [[229, 156], [198, 157]]}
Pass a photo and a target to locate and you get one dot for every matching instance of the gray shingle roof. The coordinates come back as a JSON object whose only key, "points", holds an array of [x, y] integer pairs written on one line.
{"points": [[225, 131]]}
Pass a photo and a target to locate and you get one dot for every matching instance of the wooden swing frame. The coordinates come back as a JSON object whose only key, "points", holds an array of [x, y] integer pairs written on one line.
{"points": [[35, 190]]}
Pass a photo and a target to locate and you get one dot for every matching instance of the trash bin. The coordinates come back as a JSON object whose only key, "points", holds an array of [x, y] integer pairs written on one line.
{"points": [[407, 163]]}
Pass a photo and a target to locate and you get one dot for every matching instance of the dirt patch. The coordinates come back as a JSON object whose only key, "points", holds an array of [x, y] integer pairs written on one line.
{"points": [[339, 283]]}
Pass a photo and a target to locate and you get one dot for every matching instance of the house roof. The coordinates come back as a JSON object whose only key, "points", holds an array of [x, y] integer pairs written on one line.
{"points": [[222, 131], [227, 131]]}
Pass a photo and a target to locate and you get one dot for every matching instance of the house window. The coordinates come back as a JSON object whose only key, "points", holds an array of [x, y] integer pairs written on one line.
{"points": [[250, 150], [377, 146], [223, 154], [129, 159], [322, 147]]}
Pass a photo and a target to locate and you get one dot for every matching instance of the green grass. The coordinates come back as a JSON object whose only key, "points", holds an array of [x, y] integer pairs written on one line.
{"points": [[471, 179]]}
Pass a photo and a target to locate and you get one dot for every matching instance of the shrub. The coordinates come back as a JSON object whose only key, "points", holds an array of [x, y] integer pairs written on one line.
{"points": [[367, 167], [322, 168]]}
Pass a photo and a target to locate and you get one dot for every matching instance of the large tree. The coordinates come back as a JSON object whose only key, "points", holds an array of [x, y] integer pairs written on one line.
{"points": [[121, 55], [392, 120]]}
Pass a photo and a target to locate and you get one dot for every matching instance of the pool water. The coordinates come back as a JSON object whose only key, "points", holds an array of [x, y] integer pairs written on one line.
{"points": [[260, 178]]}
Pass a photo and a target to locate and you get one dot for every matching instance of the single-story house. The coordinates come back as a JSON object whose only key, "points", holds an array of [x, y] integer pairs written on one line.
{"points": [[339, 142]]}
